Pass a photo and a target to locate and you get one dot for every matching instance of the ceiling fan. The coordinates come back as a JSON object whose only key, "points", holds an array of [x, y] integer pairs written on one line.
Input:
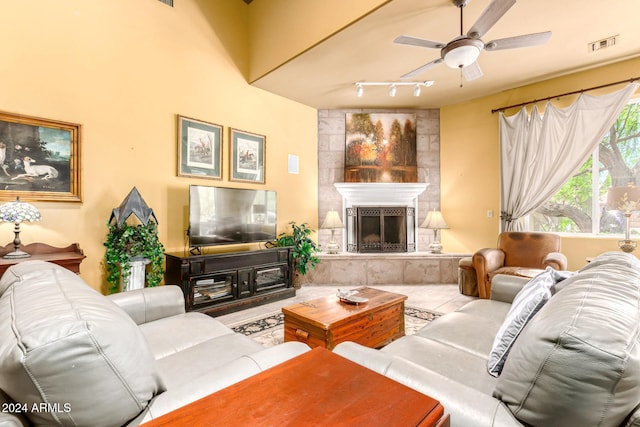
{"points": [[462, 52]]}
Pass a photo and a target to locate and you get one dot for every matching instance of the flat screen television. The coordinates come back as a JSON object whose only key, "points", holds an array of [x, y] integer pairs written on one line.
{"points": [[223, 216]]}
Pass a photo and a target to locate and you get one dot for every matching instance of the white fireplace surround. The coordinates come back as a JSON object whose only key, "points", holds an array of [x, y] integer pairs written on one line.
{"points": [[379, 194]]}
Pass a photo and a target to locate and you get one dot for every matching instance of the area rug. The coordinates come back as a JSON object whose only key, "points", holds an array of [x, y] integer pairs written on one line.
{"points": [[269, 329]]}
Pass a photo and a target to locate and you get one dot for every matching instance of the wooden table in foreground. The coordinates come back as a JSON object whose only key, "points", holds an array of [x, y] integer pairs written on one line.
{"points": [[326, 322], [68, 257], [317, 388]]}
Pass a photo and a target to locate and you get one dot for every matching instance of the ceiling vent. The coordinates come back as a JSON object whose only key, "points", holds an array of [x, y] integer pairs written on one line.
{"points": [[602, 44], [167, 2]]}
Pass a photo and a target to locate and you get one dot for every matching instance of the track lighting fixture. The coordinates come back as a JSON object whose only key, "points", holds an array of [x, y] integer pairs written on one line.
{"points": [[393, 86]]}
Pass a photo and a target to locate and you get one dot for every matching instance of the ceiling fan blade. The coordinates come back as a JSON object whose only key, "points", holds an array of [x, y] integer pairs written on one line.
{"points": [[525, 40], [422, 69], [472, 72], [415, 41], [491, 15]]}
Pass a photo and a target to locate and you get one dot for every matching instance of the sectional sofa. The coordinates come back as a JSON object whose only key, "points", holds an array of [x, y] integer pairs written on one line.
{"points": [[70, 356], [73, 357], [575, 362]]}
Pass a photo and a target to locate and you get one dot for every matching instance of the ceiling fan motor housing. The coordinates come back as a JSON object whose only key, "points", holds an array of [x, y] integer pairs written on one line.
{"points": [[461, 52], [460, 3]]}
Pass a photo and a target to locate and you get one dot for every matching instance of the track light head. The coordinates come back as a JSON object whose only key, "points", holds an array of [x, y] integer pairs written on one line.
{"points": [[393, 86]]}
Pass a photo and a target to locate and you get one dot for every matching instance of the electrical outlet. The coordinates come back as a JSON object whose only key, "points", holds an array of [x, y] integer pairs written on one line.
{"points": [[490, 213]]}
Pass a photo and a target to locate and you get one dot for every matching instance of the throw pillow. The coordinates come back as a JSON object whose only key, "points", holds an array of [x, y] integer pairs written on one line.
{"points": [[525, 305]]}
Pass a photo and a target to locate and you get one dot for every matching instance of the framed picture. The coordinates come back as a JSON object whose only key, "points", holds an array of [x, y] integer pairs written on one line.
{"points": [[381, 147], [199, 148], [39, 159], [247, 156]]}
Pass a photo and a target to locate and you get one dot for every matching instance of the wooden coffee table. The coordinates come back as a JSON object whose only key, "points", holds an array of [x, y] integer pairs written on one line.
{"points": [[326, 322], [317, 388]]}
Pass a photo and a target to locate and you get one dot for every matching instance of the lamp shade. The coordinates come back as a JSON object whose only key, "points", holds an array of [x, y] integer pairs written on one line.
{"points": [[434, 220], [623, 198], [17, 212], [332, 220]]}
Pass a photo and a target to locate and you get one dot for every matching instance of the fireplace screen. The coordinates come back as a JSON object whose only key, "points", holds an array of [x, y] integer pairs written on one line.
{"points": [[381, 229]]}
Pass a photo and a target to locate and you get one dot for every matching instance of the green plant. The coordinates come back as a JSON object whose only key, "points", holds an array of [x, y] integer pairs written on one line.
{"points": [[128, 241], [304, 248]]}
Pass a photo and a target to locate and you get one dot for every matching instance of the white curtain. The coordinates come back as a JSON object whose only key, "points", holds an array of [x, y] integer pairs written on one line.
{"points": [[539, 153]]}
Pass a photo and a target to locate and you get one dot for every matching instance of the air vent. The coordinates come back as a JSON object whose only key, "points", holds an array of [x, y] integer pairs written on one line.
{"points": [[603, 44], [167, 2]]}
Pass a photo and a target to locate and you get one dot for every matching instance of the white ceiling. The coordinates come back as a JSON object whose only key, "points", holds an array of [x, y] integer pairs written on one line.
{"points": [[324, 76]]}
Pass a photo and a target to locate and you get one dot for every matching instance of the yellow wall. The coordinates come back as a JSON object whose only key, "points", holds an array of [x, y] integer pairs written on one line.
{"points": [[282, 29], [123, 70], [470, 163]]}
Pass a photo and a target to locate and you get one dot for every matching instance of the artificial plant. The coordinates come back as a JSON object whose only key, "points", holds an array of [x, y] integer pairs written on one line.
{"points": [[304, 249], [125, 242]]}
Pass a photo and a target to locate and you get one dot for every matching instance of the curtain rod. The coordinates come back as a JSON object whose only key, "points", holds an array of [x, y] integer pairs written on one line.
{"points": [[631, 80]]}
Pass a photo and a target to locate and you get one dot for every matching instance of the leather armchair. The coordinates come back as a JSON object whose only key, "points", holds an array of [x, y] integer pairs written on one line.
{"points": [[516, 251]]}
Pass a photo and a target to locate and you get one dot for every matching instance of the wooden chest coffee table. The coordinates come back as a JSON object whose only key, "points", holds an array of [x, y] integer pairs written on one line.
{"points": [[326, 322], [317, 388]]}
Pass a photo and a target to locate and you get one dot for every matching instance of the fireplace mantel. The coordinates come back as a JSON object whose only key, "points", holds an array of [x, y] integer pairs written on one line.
{"points": [[380, 193]]}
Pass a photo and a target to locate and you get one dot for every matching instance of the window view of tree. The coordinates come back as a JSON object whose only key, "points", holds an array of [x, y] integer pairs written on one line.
{"points": [[585, 205]]}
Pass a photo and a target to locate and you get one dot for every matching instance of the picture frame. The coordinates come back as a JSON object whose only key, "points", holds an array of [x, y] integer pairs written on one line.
{"points": [[199, 148], [381, 147], [247, 156], [39, 159]]}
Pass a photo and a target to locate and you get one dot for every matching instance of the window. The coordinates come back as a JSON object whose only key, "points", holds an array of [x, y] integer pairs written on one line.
{"points": [[595, 198]]}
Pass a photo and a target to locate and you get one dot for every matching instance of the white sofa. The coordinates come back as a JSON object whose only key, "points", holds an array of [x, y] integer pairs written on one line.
{"points": [[73, 357], [575, 363]]}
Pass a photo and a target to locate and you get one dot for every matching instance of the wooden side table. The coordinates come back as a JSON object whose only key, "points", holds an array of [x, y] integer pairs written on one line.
{"points": [[317, 388], [68, 257]]}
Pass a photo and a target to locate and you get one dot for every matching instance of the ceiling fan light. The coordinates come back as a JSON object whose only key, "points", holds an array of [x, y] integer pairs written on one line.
{"points": [[392, 90], [359, 90], [416, 90], [461, 56]]}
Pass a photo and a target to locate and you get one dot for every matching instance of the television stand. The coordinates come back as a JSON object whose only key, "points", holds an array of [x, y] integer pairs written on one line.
{"points": [[218, 284]]}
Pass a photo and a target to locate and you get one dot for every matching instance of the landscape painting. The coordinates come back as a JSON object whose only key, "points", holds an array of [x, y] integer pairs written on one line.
{"points": [[381, 147]]}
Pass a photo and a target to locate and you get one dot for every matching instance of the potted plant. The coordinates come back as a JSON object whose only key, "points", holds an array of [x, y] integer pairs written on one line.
{"points": [[303, 251], [126, 243]]}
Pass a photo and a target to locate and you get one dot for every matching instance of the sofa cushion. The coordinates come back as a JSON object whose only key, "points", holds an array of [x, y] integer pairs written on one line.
{"points": [[462, 366], [525, 305], [578, 360], [64, 344], [201, 328], [187, 365]]}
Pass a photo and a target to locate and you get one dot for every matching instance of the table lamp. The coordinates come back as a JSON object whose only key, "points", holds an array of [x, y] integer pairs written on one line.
{"points": [[625, 199], [17, 212], [332, 222], [435, 222]]}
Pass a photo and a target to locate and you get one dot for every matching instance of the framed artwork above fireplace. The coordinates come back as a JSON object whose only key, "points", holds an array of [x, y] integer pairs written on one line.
{"points": [[380, 147]]}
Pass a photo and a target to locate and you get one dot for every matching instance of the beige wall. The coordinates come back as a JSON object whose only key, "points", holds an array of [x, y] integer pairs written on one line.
{"points": [[282, 29], [470, 163], [123, 70]]}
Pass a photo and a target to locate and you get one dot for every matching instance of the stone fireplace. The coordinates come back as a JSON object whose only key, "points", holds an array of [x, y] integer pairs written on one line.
{"points": [[380, 217]]}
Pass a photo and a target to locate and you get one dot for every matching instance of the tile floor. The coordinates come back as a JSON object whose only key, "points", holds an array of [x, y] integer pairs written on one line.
{"points": [[439, 298]]}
